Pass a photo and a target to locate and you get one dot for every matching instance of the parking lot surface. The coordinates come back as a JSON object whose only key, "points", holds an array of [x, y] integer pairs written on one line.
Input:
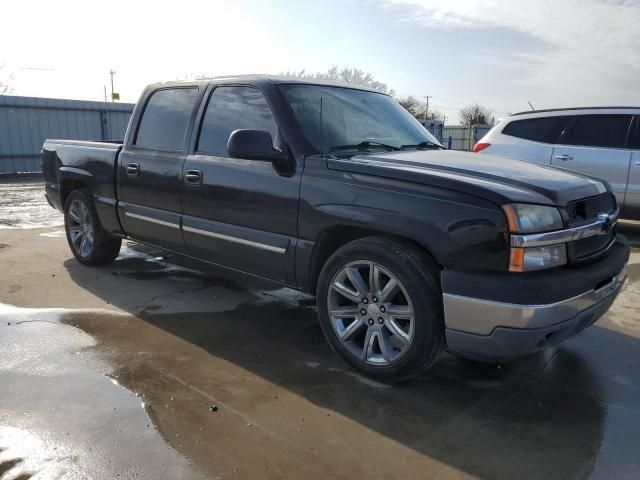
{"points": [[147, 369]]}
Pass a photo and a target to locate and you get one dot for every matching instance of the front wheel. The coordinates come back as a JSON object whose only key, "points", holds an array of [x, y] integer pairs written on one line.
{"points": [[380, 307], [88, 241]]}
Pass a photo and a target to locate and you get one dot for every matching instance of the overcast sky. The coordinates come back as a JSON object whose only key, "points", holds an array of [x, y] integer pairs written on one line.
{"points": [[498, 53]]}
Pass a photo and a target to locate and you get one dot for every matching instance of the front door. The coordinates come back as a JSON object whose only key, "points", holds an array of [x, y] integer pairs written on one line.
{"points": [[150, 169], [597, 145], [239, 213]]}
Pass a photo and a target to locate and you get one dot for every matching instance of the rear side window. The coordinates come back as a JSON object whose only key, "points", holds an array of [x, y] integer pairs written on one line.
{"points": [[233, 108], [546, 129], [165, 119], [636, 142], [598, 131]]}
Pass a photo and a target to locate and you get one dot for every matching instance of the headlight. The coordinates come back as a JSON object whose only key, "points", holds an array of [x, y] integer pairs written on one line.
{"points": [[537, 258], [524, 218]]}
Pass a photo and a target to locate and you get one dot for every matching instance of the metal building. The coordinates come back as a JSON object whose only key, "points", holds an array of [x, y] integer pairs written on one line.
{"points": [[25, 122]]}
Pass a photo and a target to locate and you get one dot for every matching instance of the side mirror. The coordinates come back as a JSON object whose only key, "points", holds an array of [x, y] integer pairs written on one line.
{"points": [[254, 145]]}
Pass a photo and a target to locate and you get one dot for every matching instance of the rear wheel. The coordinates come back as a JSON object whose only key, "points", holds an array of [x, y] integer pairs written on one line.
{"points": [[380, 307], [88, 241]]}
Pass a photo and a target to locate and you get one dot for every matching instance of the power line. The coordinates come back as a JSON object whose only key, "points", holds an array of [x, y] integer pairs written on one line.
{"points": [[457, 109], [39, 69]]}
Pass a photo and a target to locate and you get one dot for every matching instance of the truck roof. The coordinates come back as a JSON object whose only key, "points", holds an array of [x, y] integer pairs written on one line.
{"points": [[271, 79]]}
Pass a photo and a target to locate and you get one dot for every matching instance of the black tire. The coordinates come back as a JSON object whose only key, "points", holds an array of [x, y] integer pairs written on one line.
{"points": [[419, 277], [104, 248]]}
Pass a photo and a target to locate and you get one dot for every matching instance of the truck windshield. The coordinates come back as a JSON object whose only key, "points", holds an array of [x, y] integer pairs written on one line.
{"points": [[353, 120]]}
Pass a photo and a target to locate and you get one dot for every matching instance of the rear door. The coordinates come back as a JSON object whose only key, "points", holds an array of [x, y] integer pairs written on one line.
{"points": [[597, 145], [150, 168], [239, 213], [632, 199]]}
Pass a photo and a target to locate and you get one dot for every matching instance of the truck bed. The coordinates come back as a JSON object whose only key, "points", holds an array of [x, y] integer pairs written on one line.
{"points": [[69, 164]]}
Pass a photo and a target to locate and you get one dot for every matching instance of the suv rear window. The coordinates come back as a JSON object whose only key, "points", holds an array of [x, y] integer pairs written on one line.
{"points": [[609, 131], [165, 119], [546, 129]]}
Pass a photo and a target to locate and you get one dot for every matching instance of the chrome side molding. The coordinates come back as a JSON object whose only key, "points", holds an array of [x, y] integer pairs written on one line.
{"points": [[242, 241], [151, 220]]}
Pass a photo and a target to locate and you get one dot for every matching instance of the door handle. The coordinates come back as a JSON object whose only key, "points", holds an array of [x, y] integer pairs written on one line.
{"points": [[133, 169], [193, 177], [637, 163], [564, 157]]}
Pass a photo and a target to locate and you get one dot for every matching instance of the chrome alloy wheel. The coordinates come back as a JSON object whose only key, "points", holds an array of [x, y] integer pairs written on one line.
{"points": [[371, 312], [80, 228]]}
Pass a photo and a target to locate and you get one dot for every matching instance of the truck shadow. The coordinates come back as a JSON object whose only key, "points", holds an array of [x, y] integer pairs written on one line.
{"points": [[542, 417]]}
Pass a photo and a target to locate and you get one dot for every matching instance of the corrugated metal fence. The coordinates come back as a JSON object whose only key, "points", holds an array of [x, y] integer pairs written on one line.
{"points": [[461, 137], [25, 122]]}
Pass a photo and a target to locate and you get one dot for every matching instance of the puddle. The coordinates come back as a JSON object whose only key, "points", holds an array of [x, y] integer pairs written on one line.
{"points": [[24, 206], [55, 234], [25, 455], [62, 416]]}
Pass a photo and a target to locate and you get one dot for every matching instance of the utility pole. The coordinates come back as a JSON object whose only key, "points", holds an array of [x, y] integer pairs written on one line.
{"points": [[426, 110], [112, 73]]}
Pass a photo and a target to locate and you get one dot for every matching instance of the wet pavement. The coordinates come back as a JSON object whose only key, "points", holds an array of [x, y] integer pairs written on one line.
{"points": [[146, 369], [22, 204]]}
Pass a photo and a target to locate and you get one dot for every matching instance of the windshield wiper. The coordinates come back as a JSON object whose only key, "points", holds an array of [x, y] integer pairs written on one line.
{"points": [[363, 146], [423, 146]]}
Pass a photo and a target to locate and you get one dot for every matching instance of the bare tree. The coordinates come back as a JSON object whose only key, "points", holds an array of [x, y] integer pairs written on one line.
{"points": [[351, 75], [475, 114], [418, 109], [412, 105], [5, 86]]}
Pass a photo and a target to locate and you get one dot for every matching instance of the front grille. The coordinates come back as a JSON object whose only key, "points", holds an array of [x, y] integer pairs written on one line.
{"points": [[585, 210], [588, 247], [589, 208]]}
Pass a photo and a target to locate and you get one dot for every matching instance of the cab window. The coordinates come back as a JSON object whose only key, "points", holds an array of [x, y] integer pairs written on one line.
{"points": [[229, 109], [165, 119]]}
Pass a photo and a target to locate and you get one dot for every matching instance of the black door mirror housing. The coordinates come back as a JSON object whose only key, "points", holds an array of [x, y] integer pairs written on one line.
{"points": [[254, 145]]}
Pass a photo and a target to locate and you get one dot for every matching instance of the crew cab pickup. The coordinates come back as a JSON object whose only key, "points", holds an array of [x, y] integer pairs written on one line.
{"points": [[336, 190]]}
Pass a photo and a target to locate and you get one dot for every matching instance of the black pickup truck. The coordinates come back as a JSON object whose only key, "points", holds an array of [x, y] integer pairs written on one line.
{"points": [[409, 248]]}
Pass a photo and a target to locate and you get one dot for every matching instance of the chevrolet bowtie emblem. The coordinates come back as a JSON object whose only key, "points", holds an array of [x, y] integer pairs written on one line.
{"points": [[607, 223]]}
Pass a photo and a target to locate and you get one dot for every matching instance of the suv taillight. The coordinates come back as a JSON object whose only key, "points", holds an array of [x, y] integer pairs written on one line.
{"points": [[478, 147]]}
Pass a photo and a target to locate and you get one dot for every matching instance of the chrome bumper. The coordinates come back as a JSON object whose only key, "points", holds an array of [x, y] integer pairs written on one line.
{"points": [[481, 317], [491, 330]]}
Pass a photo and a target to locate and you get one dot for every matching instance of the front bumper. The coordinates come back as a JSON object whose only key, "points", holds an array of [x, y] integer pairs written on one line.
{"points": [[498, 316]]}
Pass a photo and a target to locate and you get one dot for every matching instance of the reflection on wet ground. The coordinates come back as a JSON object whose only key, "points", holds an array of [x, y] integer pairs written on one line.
{"points": [[22, 205], [61, 416]]}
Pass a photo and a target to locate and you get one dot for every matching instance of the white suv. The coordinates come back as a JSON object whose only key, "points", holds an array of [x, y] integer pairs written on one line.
{"points": [[602, 141]]}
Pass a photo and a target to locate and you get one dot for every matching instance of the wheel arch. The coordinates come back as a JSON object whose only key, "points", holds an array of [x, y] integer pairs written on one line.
{"points": [[333, 238], [68, 185]]}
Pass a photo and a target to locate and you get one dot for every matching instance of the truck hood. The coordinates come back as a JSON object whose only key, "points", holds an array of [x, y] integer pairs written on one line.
{"points": [[494, 178]]}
